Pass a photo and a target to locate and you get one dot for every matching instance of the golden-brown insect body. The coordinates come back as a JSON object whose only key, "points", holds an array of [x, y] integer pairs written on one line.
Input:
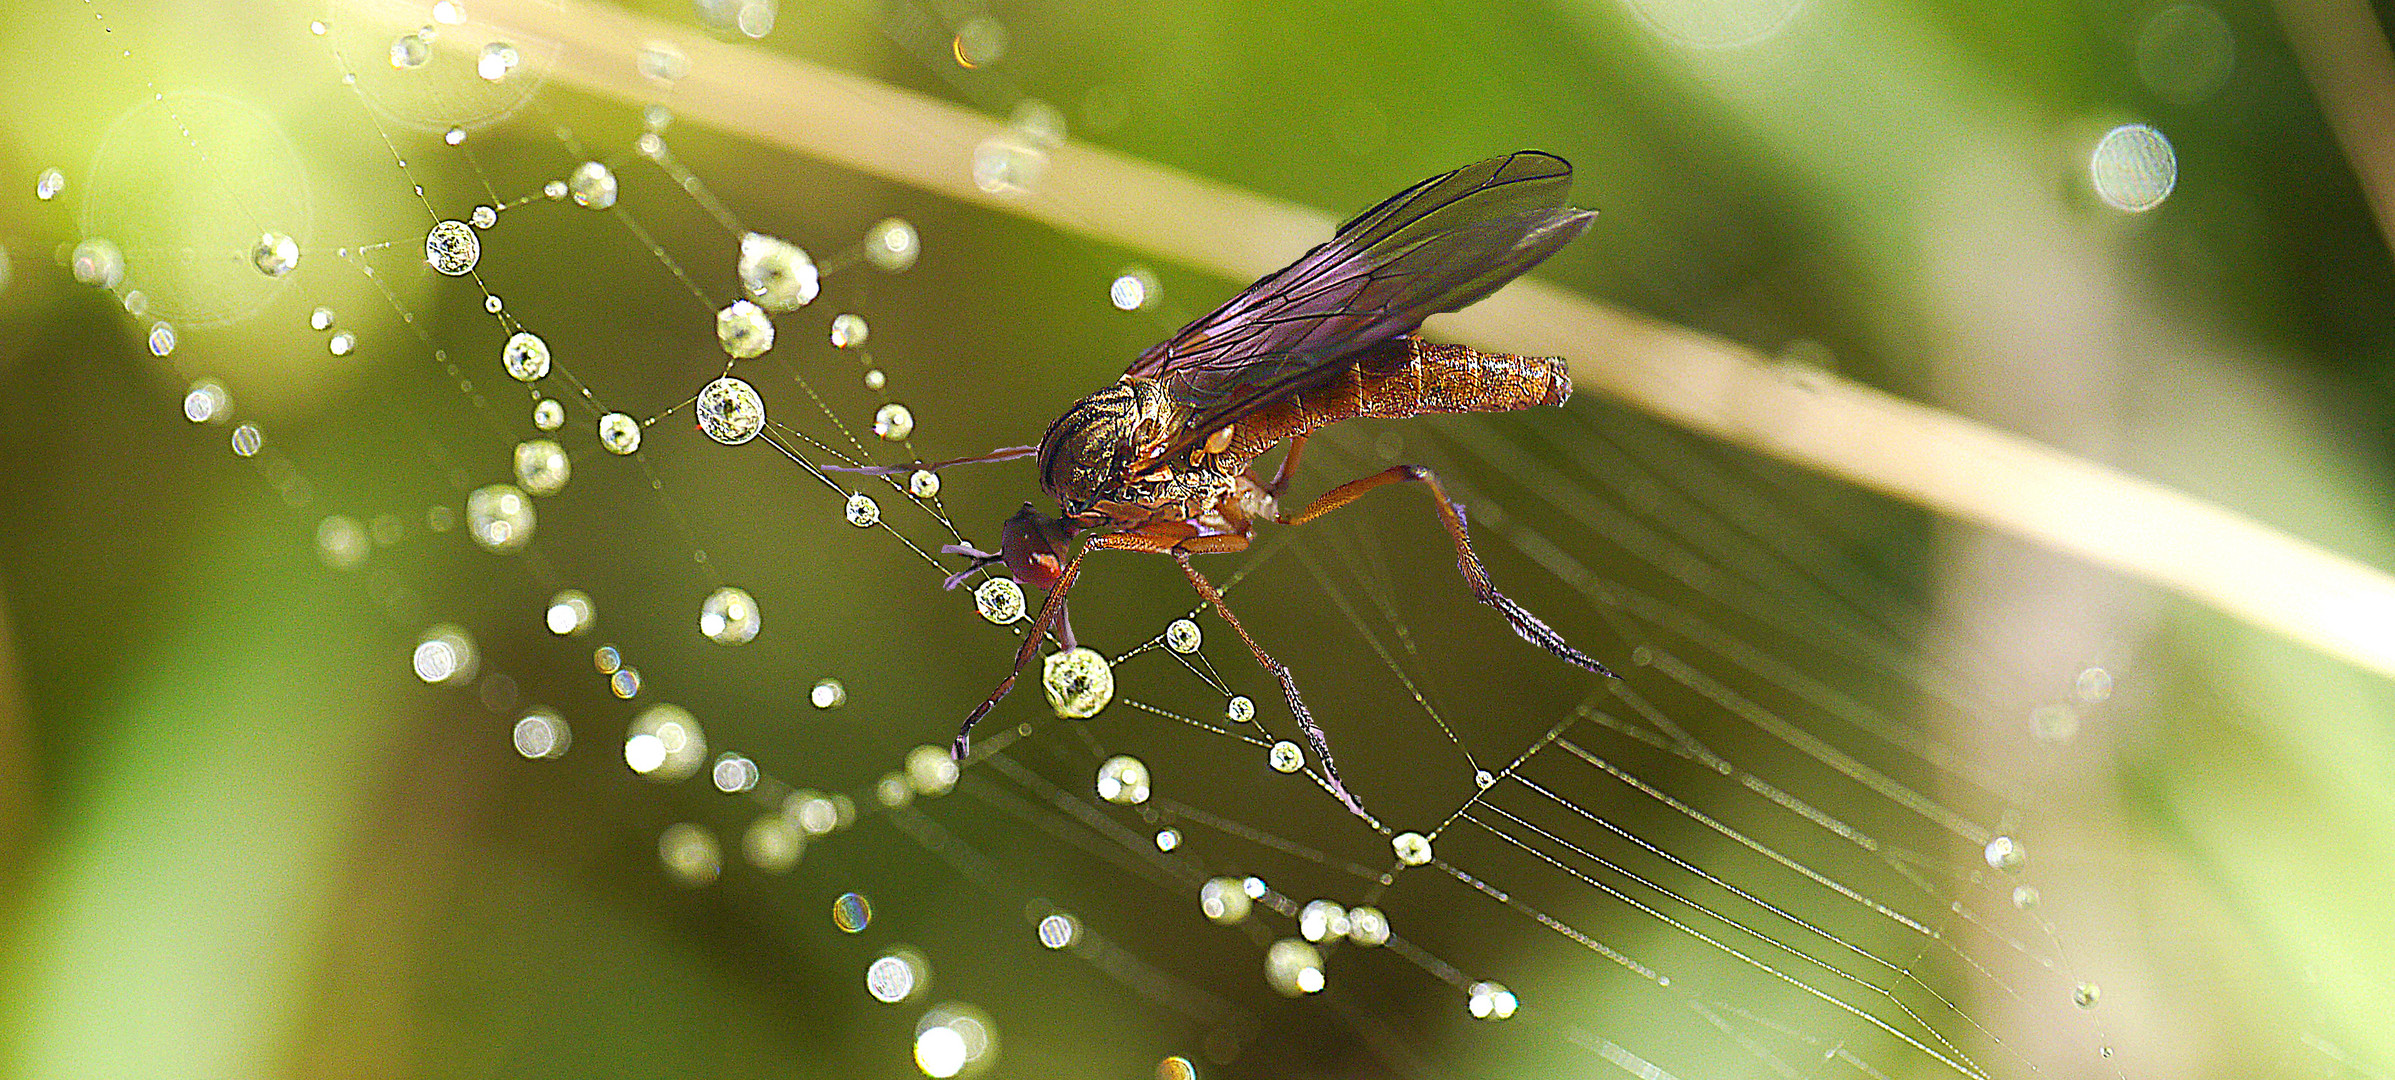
{"points": [[1407, 376]]}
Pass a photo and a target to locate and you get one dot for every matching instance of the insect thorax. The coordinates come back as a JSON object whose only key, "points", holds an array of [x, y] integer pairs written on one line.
{"points": [[1090, 453]]}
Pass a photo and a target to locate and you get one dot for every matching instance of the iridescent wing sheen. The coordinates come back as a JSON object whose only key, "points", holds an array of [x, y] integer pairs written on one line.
{"points": [[1437, 246]]}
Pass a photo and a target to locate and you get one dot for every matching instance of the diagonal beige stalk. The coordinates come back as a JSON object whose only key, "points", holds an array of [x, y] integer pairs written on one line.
{"points": [[1935, 458]]}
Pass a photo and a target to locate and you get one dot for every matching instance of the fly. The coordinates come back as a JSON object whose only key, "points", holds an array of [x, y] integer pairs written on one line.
{"points": [[1158, 462]]}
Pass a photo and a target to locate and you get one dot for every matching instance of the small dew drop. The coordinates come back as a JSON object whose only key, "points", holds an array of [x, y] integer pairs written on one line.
{"points": [[874, 379], [892, 245], [923, 484], [1176, 1067], [619, 433], [690, 855], [497, 59], [525, 356], [341, 542], [454, 136], [452, 248], [1123, 780], [1183, 636], [848, 330], [342, 343], [2004, 853], [483, 217], [2025, 897], [207, 402], [744, 330], [499, 517], [569, 613], [827, 694], [1008, 165], [592, 185], [852, 912], [895, 976], [554, 190], [931, 771], [548, 414], [894, 422], [1490, 1001], [162, 338], [1293, 967], [772, 843], [650, 144], [2085, 994], [1484, 779], [1412, 848], [49, 184], [2133, 168], [1134, 289], [320, 319], [663, 62], [733, 773], [729, 616], [2053, 723], [1240, 710], [1322, 920], [542, 466], [248, 440], [493, 304], [1168, 839], [98, 263], [542, 734], [2093, 687], [664, 743], [445, 656], [980, 42], [275, 254], [999, 600], [1058, 930], [1366, 926], [861, 511], [730, 412], [1286, 756], [409, 51], [1224, 900]]}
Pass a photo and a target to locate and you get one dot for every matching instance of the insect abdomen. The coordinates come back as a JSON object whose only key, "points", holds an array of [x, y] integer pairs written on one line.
{"points": [[1408, 377]]}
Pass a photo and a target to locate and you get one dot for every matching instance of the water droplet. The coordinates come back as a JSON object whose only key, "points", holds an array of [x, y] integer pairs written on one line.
{"points": [[1134, 289], [690, 855], [1293, 967], [828, 694], [542, 467], [1484, 779], [483, 217], [341, 542], [892, 245], [772, 843], [952, 1039], [1224, 900], [320, 319], [744, 329], [776, 273], [592, 185], [445, 656], [1183, 636], [497, 59], [275, 254], [207, 402], [2133, 168], [730, 412], [1322, 920], [892, 791], [570, 612], [606, 659], [656, 118], [999, 600], [548, 414], [1078, 681], [499, 517], [729, 616], [2085, 994], [542, 733], [1286, 756], [49, 184], [849, 331], [650, 144], [248, 440], [852, 912], [896, 976], [733, 773], [979, 42], [410, 51], [1007, 165], [97, 262], [1058, 930], [449, 13], [342, 343], [554, 189], [663, 62], [454, 136], [452, 248], [162, 338], [1123, 780], [619, 433], [318, 28], [1176, 1067], [664, 743], [931, 770], [923, 484], [861, 511], [2003, 853], [2093, 687], [1490, 1001], [1240, 710], [1412, 848], [625, 684], [2025, 897], [874, 379], [1366, 926], [894, 422], [1168, 839], [1039, 122]]}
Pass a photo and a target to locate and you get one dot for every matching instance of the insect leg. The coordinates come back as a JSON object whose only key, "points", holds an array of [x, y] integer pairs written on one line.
{"points": [[1297, 705], [1288, 469], [1524, 623], [1050, 613]]}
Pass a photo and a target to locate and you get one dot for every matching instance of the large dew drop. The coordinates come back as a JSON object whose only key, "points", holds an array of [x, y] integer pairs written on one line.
{"points": [[452, 248], [729, 617], [525, 356], [1078, 681], [619, 433], [1123, 780], [744, 329], [776, 273], [499, 517], [999, 600], [592, 185], [1293, 967], [542, 466], [275, 254], [730, 412]]}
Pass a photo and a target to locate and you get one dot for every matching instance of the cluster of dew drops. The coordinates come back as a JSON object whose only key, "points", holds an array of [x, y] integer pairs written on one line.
{"points": [[665, 742]]}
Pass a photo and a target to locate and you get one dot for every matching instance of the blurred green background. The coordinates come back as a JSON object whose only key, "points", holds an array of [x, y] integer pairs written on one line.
{"points": [[239, 837]]}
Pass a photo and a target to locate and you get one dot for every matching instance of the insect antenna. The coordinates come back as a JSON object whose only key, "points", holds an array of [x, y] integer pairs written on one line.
{"points": [[1003, 453]]}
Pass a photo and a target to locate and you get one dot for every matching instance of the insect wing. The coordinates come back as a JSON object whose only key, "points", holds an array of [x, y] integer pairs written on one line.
{"points": [[1437, 246]]}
